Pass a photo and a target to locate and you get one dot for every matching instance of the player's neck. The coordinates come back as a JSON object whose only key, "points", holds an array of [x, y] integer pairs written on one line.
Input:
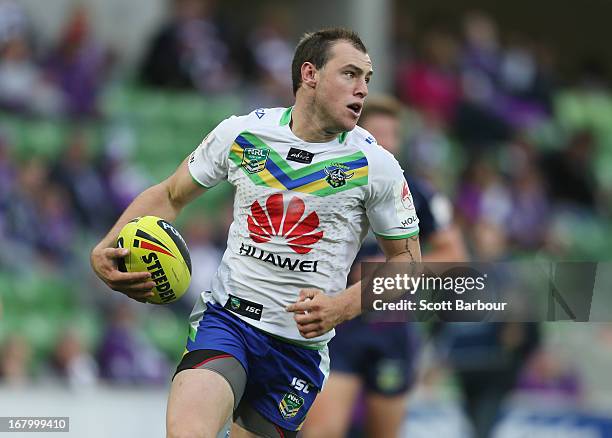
{"points": [[307, 126]]}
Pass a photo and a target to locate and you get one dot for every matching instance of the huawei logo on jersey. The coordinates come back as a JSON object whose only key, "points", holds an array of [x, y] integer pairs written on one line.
{"points": [[299, 232]]}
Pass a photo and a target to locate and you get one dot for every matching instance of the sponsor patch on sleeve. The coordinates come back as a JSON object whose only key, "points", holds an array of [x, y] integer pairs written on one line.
{"points": [[404, 206]]}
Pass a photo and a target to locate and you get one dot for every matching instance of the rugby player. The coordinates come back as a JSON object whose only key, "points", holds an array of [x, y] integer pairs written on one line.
{"points": [[378, 360], [309, 184]]}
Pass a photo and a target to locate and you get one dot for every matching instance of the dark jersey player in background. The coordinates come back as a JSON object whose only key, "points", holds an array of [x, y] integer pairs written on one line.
{"points": [[378, 359]]}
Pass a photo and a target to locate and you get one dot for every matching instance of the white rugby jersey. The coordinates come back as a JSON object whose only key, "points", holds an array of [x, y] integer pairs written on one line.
{"points": [[301, 211]]}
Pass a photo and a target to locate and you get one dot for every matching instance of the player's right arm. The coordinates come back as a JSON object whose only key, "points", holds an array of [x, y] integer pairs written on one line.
{"points": [[204, 168], [164, 200]]}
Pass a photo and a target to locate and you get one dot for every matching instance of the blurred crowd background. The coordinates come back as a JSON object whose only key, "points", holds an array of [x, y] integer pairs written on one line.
{"points": [[516, 132]]}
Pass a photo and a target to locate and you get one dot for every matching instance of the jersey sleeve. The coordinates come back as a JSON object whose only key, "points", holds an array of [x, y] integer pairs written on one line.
{"points": [[208, 163], [389, 205]]}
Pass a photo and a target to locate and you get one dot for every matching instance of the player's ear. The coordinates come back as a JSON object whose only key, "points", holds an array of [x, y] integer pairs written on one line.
{"points": [[309, 74]]}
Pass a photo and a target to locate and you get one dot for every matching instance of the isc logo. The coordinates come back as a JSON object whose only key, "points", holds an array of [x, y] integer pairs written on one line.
{"points": [[300, 385], [252, 309]]}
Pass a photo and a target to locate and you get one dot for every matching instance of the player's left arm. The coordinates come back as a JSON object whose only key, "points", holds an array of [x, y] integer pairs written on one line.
{"points": [[392, 216], [317, 313], [401, 250]]}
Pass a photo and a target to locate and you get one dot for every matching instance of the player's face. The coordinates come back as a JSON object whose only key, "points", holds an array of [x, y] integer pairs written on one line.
{"points": [[343, 86], [386, 130]]}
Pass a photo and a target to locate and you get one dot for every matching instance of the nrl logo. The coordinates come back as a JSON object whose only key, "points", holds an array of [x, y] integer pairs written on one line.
{"points": [[234, 303], [254, 159], [290, 405], [337, 175]]}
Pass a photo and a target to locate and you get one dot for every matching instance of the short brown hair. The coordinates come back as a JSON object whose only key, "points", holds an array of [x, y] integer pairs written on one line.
{"points": [[314, 47], [385, 105]]}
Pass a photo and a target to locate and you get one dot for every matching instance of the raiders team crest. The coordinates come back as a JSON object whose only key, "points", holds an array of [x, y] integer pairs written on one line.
{"points": [[290, 404], [337, 175], [254, 159]]}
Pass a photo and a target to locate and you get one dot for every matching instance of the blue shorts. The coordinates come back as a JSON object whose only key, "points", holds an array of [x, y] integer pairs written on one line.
{"points": [[282, 379], [383, 355]]}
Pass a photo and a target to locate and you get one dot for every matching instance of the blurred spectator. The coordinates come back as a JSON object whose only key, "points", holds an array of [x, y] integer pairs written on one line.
{"points": [[548, 375], [58, 225], [17, 213], [205, 257], [489, 241], [71, 363], [123, 177], [13, 20], [479, 122], [518, 69], [78, 66], [529, 69], [482, 195], [8, 172], [432, 84], [272, 52], [190, 51], [528, 222], [23, 216], [77, 173], [526, 86], [481, 58], [23, 87], [15, 355], [429, 152], [569, 173], [125, 356]]}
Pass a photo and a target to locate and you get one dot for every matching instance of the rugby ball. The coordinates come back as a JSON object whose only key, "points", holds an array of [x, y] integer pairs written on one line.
{"points": [[156, 246]]}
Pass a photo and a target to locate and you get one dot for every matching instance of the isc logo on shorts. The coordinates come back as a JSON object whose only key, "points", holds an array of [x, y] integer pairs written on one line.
{"points": [[301, 385]]}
